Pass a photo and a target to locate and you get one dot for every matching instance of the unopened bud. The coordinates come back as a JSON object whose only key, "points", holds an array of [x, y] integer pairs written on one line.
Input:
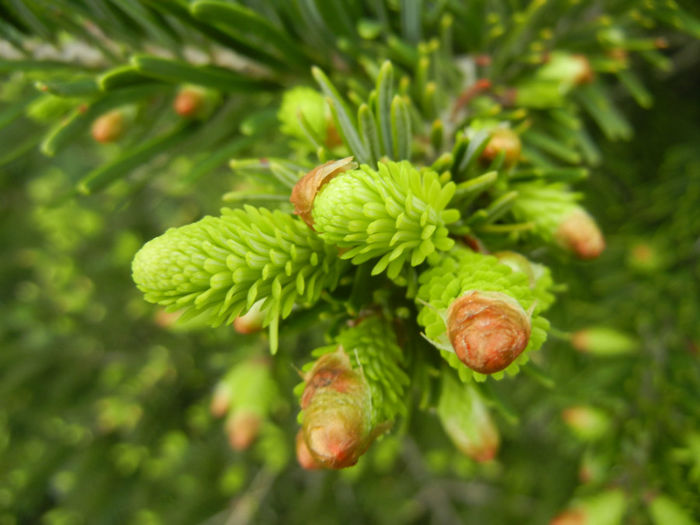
{"points": [[304, 457], [467, 421], [606, 508], [304, 192], [579, 233], [587, 422], [488, 330], [251, 322], [188, 102], [646, 257], [567, 69], [570, 517], [502, 140], [194, 102], [603, 341], [109, 127], [221, 400], [336, 407], [166, 319], [242, 429]]}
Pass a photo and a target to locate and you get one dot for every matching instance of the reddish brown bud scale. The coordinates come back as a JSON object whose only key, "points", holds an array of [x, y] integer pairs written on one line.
{"points": [[108, 127], [502, 140], [570, 517], [242, 429], [188, 102], [488, 330], [334, 437], [579, 233], [335, 402], [304, 457], [304, 192]]}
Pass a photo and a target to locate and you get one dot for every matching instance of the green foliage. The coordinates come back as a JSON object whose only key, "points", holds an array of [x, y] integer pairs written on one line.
{"points": [[221, 266], [103, 416], [396, 213]]}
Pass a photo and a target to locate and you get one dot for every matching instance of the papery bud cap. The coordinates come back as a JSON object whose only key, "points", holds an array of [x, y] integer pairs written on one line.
{"points": [[305, 191], [488, 330], [336, 427], [304, 457]]}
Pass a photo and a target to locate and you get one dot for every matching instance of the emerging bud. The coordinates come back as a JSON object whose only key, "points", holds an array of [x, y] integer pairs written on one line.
{"points": [[488, 330], [467, 421], [606, 508], [251, 322], [304, 457], [599, 340], [336, 407], [587, 422], [305, 190], [166, 319], [567, 69], [579, 233], [109, 127], [195, 102], [221, 400], [242, 429], [569, 517], [188, 102], [502, 140]]}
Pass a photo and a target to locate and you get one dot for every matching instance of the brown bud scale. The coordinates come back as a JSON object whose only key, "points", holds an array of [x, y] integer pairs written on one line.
{"points": [[488, 330], [305, 191]]}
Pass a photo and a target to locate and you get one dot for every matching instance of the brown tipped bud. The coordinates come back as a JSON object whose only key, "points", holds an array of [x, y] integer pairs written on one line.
{"points": [[584, 73], [336, 412], [467, 421], [304, 457], [188, 102], [587, 422], [488, 330], [330, 371], [166, 319], [579, 233], [506, 140], [305, 190], [108, 127], [251, 322], [242, 429], [221, 400], [570, 517]]}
